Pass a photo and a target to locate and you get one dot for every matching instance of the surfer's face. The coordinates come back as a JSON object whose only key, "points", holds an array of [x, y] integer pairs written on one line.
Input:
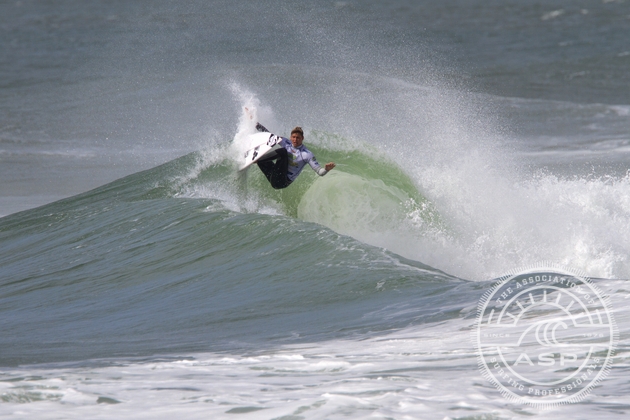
{"points": [[296, 139]]}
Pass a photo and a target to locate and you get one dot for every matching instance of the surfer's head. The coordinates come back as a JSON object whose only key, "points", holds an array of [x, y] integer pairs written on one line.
{"points": [[297, 136]]}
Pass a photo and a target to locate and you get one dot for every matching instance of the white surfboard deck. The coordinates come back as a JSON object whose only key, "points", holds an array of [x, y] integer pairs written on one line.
{"points": [[257, 147]]}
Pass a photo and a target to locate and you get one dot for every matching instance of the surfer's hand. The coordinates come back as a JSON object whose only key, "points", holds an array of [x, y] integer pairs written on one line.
{"points": [[329, 166]]}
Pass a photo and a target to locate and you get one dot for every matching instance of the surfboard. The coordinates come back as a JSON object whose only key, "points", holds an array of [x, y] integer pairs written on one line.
{"points": [[257, 147]]}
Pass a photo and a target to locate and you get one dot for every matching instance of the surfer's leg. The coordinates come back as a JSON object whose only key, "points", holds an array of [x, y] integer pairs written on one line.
{"points": [[269, 156], [281, 167], [266, 167], [276, 173]]}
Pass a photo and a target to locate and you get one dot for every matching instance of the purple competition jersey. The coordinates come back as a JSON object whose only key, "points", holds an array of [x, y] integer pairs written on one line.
{"points": [[298, 157]]}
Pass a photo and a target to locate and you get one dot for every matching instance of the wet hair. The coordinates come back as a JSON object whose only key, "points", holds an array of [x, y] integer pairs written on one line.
{"points": [[298, 130]]}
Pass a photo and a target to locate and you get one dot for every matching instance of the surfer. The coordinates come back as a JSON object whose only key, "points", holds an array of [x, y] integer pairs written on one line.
{"points": [[290, 159]]}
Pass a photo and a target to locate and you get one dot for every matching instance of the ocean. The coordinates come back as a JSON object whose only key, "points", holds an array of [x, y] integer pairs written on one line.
{"points": [[143, 276]]}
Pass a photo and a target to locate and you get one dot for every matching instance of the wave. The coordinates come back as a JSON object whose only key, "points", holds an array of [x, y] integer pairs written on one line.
{"points": [[193, 256], [135, 267]]}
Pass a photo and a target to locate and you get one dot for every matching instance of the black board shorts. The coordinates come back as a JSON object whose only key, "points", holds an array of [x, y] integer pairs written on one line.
{"points": [[276, 172]]}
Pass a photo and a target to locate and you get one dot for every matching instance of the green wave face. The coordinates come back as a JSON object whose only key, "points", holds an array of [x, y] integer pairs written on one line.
{"points": [[365, 193]]}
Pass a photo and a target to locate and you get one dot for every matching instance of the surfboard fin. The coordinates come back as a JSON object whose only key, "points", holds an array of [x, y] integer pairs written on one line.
{"points": [[261, 127]]}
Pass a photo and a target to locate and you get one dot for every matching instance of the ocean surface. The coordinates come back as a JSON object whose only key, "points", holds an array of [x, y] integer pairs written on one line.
{"points": [[143, 276]]}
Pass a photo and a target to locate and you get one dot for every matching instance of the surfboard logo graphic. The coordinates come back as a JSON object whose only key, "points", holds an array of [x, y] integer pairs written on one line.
{"points": [[545, 336], [273, 139]]}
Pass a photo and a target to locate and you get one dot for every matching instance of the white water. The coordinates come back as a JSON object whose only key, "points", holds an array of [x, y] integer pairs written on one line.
{"points": [[427, 371], [497, 214]]}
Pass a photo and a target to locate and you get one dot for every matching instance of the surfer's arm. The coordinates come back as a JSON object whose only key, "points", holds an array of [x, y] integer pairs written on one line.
{"points": [[320, 171]]}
